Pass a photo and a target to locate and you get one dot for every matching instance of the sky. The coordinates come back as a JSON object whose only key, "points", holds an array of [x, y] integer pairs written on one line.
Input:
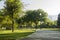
{"points": [[52, 7], [1, 4]]}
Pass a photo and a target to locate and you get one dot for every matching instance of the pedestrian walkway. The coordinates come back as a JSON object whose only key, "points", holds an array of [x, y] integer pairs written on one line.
{"points": [[44, 35]]}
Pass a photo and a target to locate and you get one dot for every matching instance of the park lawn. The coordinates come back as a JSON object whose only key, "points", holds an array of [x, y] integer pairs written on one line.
{"points": [[50, 29], [17, 34]]}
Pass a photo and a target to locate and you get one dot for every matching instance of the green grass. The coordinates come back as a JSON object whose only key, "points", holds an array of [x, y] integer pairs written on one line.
{"points": [[17, 34], [50, 29]]}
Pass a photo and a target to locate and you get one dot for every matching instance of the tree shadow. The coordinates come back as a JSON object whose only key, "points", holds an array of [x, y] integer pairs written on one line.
{"points": [[13, 36]]}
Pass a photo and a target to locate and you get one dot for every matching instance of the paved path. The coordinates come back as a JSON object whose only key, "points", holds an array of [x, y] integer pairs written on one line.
{"points": [[44, 35]]}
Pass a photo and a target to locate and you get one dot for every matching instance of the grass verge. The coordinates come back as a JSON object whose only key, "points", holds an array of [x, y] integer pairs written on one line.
{"points": [[8, 35]]}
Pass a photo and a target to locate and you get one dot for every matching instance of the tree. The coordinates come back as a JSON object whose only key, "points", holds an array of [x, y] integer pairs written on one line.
{"points": [[0, 0], [31, 16], [13, 8], [1, 17], [43, 16], [35, 16], [58, 21], [20, 22]]}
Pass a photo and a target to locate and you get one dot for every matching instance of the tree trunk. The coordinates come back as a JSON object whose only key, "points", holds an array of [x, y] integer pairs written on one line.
{"points": [[12, 25], [36, 25]]}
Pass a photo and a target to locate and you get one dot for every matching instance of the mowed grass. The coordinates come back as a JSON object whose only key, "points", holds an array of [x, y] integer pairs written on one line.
{"points": [[17, 34], [50, 29]]}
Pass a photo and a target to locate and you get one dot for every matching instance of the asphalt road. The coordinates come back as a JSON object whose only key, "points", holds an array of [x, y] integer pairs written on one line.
{"points": [[44, 35]]}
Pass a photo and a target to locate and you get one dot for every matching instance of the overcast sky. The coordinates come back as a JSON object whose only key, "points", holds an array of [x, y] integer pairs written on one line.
{"points": [[52, 7]]}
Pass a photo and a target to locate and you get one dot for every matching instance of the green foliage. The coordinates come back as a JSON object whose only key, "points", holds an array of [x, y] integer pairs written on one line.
{"points": [[34, 16], [0, 0], [1, 17], [58, 22], [48, 23], [13, 8]]}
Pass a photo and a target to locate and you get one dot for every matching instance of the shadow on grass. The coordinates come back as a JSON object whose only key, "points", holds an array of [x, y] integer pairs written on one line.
{"points": [[13, 36]]}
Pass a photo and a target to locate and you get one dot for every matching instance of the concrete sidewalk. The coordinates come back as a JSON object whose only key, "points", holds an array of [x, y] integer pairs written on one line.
{"points": [[44, 35]]}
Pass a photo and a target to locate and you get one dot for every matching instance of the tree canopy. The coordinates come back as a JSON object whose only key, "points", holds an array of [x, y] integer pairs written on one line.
{"points": [[13, 8]]}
